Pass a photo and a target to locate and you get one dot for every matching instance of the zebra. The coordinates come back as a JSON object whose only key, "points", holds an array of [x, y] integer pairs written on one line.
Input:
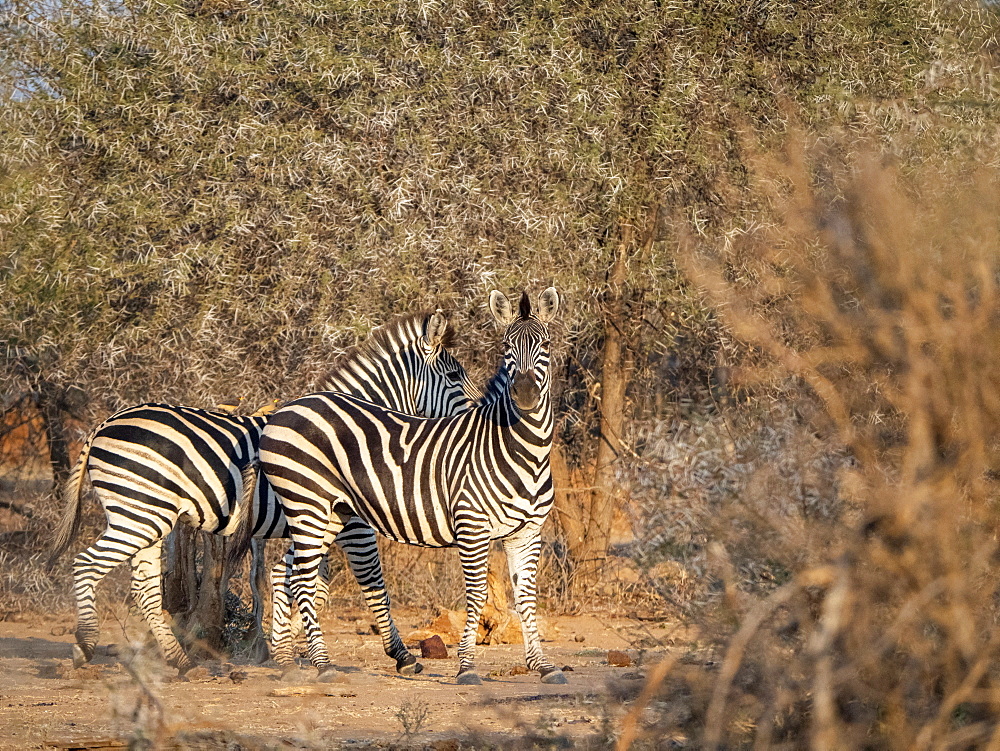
{"points": [[153, 465], [459, 481]]}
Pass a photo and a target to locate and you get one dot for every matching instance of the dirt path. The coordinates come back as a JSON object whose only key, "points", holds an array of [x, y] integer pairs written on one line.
{"points": [[43, 700]]}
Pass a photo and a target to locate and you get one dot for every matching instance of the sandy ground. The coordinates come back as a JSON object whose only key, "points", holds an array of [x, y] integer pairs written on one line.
{"points": [[126, 694]]}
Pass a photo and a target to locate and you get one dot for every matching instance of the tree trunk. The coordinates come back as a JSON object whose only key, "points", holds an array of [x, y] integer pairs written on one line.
{"points": [[180, 577], [616, 368], [207, 621], [197, 599], [587, 497]]}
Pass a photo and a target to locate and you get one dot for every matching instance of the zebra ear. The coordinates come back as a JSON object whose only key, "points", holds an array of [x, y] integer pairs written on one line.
{"points": [[437, 328], [500, 308], [548, 304]]}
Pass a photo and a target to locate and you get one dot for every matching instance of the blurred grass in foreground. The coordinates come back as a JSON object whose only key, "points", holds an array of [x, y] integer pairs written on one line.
{"points": [[874, 314]]}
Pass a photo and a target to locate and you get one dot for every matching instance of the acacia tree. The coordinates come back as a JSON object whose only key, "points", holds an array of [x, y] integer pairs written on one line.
{"points": [[208, 197]]}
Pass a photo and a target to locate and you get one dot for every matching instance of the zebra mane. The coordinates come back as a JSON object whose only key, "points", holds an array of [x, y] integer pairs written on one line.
{"points": [[388, 339]]}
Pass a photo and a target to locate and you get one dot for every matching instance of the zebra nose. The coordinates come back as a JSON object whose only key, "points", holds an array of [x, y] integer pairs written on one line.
{"points": [[525, 392]]}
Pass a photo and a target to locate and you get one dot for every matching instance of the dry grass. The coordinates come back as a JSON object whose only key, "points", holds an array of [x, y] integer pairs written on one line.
{"points": [[875, 311]]}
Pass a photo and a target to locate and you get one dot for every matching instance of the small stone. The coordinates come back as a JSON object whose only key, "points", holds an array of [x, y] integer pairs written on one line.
{"points": [[567, 668], [619, 659], [579, 637], [433, 648], [238, 676], [519, 670]]}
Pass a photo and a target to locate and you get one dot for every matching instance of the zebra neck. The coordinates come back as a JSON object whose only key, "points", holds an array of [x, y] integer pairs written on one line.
{"points": [[533, 429]]}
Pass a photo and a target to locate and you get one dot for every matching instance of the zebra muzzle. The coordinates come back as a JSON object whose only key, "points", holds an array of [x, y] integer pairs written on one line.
{"points": [[525, 392]]}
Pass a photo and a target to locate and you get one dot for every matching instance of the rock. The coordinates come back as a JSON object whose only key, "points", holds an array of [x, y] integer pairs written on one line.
{"points": [[433, 648], [414, 638], [497, 626], [619, 659], [519, 670], [579, 638], [567, 668], [238, 676]]}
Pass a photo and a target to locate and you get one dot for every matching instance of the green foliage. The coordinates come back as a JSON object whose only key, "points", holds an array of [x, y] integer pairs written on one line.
{"points": [[207, 197]]}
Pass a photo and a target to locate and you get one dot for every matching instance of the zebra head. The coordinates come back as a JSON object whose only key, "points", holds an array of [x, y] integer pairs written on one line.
{"points": [[526, 345], [405, 365], [442, 387]]}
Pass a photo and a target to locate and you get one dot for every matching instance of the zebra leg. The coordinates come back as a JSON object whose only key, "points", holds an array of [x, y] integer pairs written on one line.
{"points": [[147, 591], [282, 648], [473, 551], [323, 583], [307, 553], [111, 549], [294, 620], [523, 549], [283, 625], [258, 582], [358, 542]]}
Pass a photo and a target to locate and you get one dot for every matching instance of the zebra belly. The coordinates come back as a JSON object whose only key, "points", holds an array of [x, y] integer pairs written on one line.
{"points": [[407, 522]]}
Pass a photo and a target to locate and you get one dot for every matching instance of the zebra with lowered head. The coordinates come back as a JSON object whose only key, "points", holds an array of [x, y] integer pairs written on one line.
{"points": [[457, 481], [154, 465]]}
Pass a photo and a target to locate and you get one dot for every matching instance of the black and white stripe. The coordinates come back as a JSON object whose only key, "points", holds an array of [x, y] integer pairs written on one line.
{"points": [[154, 464], [455, 481]]}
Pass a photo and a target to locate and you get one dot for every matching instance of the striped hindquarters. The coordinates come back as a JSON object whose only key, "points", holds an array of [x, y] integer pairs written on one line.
{"points": [[155, 462]]}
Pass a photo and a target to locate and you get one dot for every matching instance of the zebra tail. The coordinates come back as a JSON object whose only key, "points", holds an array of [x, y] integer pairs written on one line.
{"points": [[72, 493], [243, 536]]}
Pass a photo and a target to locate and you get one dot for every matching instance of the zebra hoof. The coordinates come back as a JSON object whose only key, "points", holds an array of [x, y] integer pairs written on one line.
{"points": [[408, 665], [331, 675], [469, 678], [553, 676], [82, 655]]}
